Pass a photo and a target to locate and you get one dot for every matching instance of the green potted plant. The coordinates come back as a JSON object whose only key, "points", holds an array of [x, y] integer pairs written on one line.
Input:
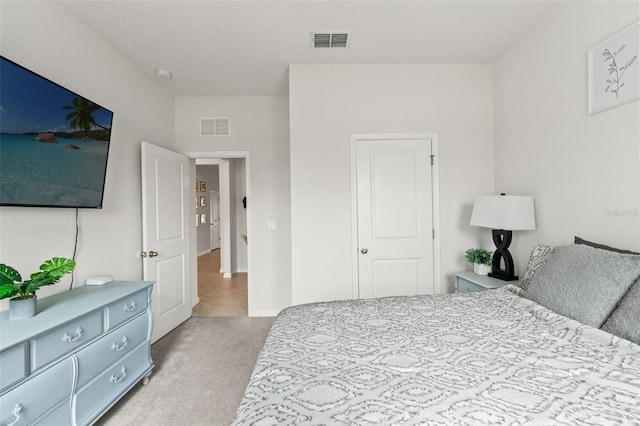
{"points": [[22, 294], [481, 260]]}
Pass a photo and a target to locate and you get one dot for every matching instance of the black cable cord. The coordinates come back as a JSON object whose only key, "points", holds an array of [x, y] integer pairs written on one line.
{"points": [[75, 248]]}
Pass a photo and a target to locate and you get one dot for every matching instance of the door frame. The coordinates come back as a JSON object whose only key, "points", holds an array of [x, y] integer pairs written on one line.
{"points": [[435, 205], [226, 155]]}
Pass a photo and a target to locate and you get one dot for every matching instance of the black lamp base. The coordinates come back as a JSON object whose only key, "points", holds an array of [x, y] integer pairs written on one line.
{"points": [[502, 240], [503, 277]]}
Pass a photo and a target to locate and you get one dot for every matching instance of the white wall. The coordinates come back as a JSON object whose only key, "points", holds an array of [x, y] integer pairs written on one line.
{"points": [[260, 125], [46, 38], [583, 170], [328, 103]]}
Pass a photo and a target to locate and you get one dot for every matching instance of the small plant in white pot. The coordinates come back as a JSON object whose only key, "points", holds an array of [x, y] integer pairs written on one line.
{"points": [[22, 294], [481, 260]]}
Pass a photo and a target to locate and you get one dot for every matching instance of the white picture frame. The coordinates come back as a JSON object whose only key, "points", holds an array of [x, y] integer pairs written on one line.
{"points": [[614, 70]]}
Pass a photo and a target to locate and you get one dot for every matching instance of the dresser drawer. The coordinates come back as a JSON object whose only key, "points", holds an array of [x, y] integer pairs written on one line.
{"points": [[13, 365], [465, 286], [66, 338], [37, 395], [120, 311], [58, 417], [108, 349], [95, 397]]}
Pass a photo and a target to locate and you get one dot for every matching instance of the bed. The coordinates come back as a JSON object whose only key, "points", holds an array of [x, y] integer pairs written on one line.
{"points": [[494, 357]]}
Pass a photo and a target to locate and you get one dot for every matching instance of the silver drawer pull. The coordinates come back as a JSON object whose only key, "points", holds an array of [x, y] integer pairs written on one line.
{"points": [[16, 412], [67, 337], [129, 306], [116, 347], [116, 379]]}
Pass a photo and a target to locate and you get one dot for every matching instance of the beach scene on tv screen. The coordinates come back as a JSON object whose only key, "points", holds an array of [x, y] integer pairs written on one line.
{"points": [[53, 143]]}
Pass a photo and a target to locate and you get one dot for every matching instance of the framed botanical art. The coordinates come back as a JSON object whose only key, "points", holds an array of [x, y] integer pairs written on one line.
{"points": [[203, 201], [614, 70], [203, 186]]}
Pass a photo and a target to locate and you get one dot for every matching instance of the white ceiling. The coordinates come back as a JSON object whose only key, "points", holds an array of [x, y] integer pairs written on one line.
{"points": [[236, 48]]}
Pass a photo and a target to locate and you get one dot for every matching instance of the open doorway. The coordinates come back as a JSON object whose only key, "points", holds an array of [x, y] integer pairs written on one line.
{"points": [[222, 236]]}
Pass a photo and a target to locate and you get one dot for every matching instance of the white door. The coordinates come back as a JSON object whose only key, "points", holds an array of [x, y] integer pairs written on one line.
{"points": [[394, 217], [214, 214], [166, 194]]}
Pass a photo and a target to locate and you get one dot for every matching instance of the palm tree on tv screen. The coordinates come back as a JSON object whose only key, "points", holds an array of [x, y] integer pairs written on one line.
{"points": [[80, 116]]}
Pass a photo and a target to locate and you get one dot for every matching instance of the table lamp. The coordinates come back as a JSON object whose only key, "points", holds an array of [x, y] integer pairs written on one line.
{"points": [[503, 214]]}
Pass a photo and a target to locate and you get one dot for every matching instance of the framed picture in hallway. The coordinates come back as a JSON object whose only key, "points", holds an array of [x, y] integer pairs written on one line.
{"points": [[203, 201], [203, 218], [203, 186]]}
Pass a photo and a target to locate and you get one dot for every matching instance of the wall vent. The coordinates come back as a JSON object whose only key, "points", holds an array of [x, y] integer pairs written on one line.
{"points": [[330, 39], [215, 127]]}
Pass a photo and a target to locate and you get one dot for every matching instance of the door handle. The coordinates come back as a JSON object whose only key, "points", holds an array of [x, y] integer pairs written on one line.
{"points": [[153, 253], [364, 250]]}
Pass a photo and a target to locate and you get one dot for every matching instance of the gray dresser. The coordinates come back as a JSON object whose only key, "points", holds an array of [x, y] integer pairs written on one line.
{"points": [[82, 352]]}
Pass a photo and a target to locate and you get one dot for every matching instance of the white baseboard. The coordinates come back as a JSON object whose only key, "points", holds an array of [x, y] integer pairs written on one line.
{"points": [[204, 252], [242, 270], [195, 301], [268, 313]]}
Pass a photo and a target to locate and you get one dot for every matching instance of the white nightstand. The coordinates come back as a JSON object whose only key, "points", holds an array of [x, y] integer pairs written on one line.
{"points": [[469, 281]]}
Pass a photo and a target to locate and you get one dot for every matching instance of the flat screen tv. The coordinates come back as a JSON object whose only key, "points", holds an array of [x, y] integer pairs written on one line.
{"points": [[54, 143]]}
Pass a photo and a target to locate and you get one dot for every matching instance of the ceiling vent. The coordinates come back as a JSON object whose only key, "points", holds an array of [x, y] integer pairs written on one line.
{"points": [[330, 40], [215, 127]]}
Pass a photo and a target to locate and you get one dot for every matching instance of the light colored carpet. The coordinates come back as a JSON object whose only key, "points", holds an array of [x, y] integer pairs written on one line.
{"points": [[201, 371]]}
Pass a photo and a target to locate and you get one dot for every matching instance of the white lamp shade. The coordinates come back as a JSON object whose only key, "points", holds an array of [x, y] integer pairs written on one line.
{"points": [[508, 212]]}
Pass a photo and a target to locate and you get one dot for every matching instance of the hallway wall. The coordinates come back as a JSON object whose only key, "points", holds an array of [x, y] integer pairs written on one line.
{"points": [[208, 174]]}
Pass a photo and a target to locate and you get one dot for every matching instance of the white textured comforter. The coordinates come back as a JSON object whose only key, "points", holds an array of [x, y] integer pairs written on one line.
{"points": [[473, 359]]}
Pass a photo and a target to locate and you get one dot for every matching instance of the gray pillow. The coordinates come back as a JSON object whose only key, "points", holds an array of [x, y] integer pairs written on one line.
{"points": [[625, 319], [582, 282], [537, 258]]}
